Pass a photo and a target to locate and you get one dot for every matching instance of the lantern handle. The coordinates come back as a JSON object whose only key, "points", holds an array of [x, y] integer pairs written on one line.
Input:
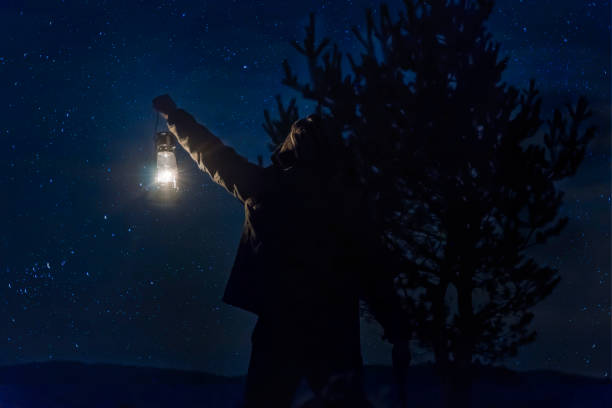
{"points": [[156, 124]]}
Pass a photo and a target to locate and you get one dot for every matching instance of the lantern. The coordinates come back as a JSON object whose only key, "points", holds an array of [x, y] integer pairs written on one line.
{"points": [[167, 170]]}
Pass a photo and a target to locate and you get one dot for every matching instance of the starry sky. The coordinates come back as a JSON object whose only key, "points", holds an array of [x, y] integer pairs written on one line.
{"points": [[95, 267]]}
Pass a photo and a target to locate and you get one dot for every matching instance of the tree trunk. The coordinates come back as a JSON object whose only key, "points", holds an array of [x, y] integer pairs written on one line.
{"points": [[462, 370], [439, 338], [440, 343]]}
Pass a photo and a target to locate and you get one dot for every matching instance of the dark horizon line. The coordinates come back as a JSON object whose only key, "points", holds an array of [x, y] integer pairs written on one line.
{"points": [[427, 366]]}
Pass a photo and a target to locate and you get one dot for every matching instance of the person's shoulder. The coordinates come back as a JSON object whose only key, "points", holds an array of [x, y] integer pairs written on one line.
{"points": [[269, 181]]}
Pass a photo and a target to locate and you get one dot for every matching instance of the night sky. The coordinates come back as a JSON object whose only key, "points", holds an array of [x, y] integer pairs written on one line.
{"points": [[94, 267]]}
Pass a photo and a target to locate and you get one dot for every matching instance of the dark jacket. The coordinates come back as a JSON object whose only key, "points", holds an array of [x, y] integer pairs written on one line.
{"points": [[302, 252]]}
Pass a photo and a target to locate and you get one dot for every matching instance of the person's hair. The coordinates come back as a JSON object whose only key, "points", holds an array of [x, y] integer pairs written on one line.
{"points": [[305, 143]]}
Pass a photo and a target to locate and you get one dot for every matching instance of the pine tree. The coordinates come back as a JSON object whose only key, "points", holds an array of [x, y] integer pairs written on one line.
{"points": [[460, 174]]}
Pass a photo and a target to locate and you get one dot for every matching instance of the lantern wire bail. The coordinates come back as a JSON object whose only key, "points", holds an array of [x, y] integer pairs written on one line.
{"points": [[156, 124]]}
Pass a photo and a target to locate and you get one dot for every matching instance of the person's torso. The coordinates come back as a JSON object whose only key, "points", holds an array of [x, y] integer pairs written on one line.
{"points": [[293, 250]]}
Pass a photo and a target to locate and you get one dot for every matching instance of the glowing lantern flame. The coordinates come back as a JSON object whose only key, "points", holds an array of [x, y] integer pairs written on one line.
{"points": [[167, 169]]}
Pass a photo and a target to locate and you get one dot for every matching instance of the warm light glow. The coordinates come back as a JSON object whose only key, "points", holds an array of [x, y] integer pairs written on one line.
{"points": [[166, 176], [167, 170]]}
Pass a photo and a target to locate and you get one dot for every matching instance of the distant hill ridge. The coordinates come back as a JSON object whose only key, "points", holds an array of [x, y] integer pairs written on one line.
{"points": [[69, 372], [66, 372], [73, 384]]}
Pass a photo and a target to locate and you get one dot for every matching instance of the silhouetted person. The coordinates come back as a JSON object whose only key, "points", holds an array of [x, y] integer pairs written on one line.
{"points": [[303, 263]]}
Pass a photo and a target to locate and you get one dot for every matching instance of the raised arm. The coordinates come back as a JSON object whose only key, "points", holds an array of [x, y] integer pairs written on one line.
{"points": [[226, 167]]}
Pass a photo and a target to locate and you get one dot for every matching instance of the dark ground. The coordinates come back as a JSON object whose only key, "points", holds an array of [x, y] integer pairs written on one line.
{"points": [[68, 385]]}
